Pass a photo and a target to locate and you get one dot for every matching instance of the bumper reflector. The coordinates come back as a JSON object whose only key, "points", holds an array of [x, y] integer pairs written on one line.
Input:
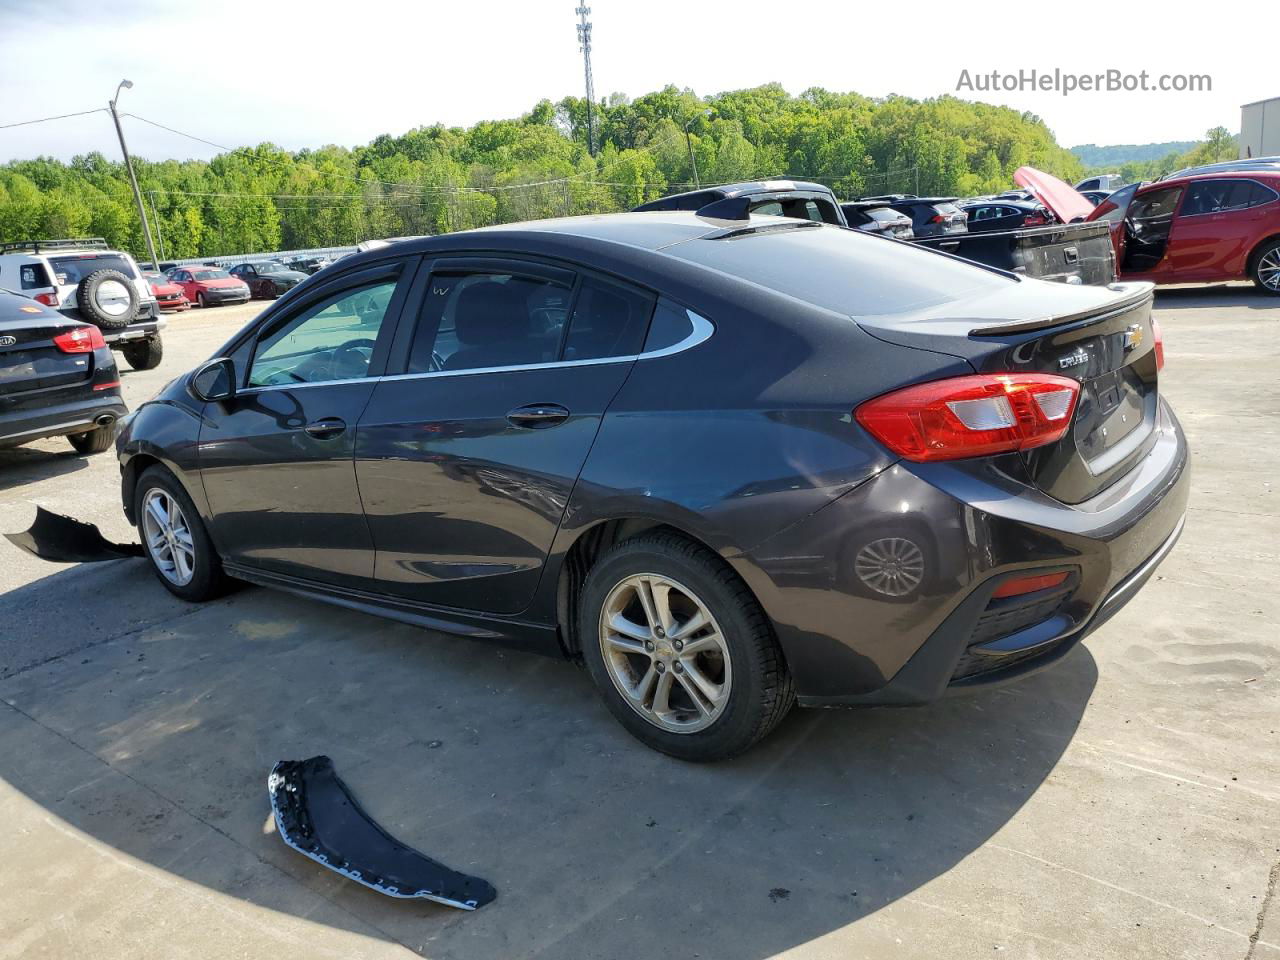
{"points": [[1020, 585]]}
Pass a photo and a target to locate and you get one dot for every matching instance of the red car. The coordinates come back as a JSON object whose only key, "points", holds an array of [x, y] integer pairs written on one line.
{"points": [[169, 295], [1198, 229], [210, 286]]}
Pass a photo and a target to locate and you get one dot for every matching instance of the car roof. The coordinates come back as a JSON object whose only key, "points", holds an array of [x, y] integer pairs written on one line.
{"points": [[999, 202], [1253, 173]]}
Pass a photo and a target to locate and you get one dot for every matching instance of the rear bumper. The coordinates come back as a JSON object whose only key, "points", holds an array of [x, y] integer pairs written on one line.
{"points": [[852, 639], [58, 420]]}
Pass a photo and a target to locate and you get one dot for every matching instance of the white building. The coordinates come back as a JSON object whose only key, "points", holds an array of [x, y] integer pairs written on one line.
{"points": [[1260, 128]]}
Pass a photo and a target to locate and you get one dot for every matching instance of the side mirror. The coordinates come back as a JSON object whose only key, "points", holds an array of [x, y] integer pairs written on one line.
{"points": [[215, 380]]}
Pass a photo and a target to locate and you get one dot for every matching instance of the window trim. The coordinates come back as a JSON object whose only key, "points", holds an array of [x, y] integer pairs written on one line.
{"points": [[401, 271], [1233, 181]]}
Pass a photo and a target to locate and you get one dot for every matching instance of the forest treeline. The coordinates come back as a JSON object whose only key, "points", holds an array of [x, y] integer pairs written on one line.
{"points": [[435, 179]]}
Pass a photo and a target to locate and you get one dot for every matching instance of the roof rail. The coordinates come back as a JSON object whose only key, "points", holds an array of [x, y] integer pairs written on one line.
{"points": [[35, 246]]}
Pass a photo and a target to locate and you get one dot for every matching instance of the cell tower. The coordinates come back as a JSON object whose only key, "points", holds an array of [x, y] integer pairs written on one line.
{"points": [[584, 42]]}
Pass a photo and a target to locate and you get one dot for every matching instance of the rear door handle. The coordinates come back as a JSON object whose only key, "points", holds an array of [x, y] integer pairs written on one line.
{"points": [[326, 429], [538, 415]]}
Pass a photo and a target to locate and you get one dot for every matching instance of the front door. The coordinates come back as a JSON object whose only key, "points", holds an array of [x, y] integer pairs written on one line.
{"points": [[467, 460], [276, 460], [1214, 228]]}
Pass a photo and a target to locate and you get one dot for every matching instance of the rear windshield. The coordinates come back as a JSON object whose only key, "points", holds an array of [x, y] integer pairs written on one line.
{"points": [[211, 275], [843, 270], [946, 208], [75, 268], [884, 214]]}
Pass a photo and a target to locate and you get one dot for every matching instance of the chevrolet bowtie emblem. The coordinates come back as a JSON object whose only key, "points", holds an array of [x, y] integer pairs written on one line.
{"points": [[1133, 337]]}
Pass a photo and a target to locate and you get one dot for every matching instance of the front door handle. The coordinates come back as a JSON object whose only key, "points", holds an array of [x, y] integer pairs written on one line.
{"points": [[326, 429], [538, 415]]}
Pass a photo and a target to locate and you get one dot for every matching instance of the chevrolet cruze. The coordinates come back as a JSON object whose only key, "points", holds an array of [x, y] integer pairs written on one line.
{"points": [[729, 465]]}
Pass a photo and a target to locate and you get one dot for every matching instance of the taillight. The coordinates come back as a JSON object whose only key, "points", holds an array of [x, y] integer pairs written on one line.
{"points": [[973, 416], [1158, 337], [937, 218], [80, 340], [1020, 585], [48, 299], [1033, 220]]}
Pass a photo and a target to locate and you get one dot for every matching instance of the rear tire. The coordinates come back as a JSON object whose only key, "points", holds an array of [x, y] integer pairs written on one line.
{"points": [[734, 655], [199, 576], [95, 441], [1266, 269], [144, 355]]}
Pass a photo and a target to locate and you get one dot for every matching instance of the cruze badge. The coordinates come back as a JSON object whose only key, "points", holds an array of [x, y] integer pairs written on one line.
{"points": [[1133, 337], [1073, 359]]}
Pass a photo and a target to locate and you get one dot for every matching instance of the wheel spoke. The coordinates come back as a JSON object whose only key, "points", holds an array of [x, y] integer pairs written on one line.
{"points": [[620, 624], [662, 694], [662, 604], [640, 692], [709, 643], [708, 688], [158, 513], [692, 690], [690, 626]]}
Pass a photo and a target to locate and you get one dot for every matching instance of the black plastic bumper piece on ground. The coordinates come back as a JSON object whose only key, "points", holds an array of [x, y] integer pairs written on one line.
{"points": [[318, 817], [67, 540]]}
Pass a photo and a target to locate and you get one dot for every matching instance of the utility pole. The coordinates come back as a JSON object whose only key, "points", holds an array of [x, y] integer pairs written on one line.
{"points": [[133, 180], [584, 43], [151, 195], [688, 141]]}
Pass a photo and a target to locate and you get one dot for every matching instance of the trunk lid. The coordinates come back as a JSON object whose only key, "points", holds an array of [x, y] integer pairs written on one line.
{"points": [[30, 361], [1101, 337]]}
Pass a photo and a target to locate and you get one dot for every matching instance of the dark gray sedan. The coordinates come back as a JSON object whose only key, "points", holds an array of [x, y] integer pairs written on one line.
{"points": [[730, 465]]}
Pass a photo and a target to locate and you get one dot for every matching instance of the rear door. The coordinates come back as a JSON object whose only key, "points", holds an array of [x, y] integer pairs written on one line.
{"points": [[1215, 227], [467, 457]]}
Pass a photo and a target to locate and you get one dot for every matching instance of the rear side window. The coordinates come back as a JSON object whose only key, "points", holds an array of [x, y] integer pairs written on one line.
{"points": [[608, 321], [671, 324], [34, 276], [842, 270], [70, 270], [474, 321]]}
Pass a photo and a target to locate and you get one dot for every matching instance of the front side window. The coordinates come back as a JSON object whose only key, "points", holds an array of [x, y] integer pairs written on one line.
{"points": [[1158, 203], [329, 340], [479, 320]]}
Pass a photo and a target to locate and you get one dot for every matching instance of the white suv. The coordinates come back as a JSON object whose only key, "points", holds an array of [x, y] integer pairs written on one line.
{"points": [[88, 281]]}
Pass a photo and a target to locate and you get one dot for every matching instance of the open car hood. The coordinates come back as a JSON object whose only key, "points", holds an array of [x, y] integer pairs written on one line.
{"points": [[1063, 199]]}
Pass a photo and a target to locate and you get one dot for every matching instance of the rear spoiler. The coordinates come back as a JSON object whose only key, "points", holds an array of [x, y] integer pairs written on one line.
{"points": [[1144, 293]]}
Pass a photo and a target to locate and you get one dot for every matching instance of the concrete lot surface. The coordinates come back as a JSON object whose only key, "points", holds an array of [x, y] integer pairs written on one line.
{"points": [[1122, 805]]}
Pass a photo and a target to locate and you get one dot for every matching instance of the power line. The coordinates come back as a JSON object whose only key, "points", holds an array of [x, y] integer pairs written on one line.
{"points": [[61, 116]]}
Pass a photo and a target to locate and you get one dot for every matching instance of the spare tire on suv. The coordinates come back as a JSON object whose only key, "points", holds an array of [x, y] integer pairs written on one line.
{"points": [[108, 299]]}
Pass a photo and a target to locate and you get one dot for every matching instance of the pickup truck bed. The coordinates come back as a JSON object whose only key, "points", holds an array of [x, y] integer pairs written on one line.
{"points": [[1068, 253]]}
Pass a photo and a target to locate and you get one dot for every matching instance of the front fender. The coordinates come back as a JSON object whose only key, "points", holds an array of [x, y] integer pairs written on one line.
{"points": [[165, 432]]}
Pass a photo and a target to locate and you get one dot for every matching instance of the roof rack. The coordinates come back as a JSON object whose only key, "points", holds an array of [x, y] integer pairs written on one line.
{"points": [[35, 246]]}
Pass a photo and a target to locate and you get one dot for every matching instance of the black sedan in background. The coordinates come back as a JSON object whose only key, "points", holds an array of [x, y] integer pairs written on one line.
{"points": [[930, 216], [987, 216], [876, 216], [57, 378], [267, 279], [727, 464]]}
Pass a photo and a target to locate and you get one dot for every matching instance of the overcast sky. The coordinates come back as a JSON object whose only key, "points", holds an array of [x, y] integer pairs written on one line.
{"points": [[303, 74]]}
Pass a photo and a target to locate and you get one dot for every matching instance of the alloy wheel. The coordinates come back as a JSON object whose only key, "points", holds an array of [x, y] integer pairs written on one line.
{"points": [[1269, 269], [168, 537], [665, 653]]}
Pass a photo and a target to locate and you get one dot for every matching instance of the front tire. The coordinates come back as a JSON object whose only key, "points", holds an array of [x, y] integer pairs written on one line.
{"points": [[145, 354], [1266, 269], [200, 300], [680, 650], [174, 538]]}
